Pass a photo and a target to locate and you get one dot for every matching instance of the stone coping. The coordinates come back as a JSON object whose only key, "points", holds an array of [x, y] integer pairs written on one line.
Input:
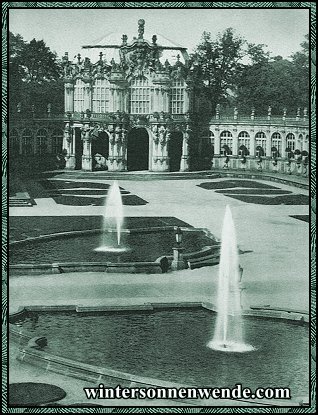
{"points": [[148, 267], [110, 377], [150, 229], [254, 311], [297, 181]]}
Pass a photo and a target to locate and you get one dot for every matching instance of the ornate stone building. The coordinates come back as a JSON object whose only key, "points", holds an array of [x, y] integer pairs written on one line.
{"points": [[279, 144], [128, 104]]}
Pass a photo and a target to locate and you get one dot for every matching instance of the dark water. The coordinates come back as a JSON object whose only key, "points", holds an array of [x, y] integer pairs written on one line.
{"points": [[141, 247], [171, 345]]}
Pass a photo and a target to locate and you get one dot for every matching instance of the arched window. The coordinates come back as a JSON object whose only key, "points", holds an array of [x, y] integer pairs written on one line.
{"points": [[14, 144], [260, 140], [27, 142], [177, 97], [79, 96], [244, 140], [291, 141], [101, 94], [277, 143], [41, 141], [57, 141], [226, 142], [139, 96]]}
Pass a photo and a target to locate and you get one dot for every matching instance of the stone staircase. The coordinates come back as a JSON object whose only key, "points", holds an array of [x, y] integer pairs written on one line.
{"points": [[21, 199], [210, 255]]}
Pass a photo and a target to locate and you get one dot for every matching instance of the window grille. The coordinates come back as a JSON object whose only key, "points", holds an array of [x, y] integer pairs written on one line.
{"points": [[226, 139], [291, 141], [260, 140], [41, 139], [14, 145], [79, 96], [27, 142], [57, 141], [177, 97], [277, 142], [101, 93], [139, 96], [244, 139]]}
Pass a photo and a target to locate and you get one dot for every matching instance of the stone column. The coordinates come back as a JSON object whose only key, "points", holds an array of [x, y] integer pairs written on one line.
{"points": [[268, 144], [112, 149], [69, 97], [235, 143], [118, 159], [155, 150], [87, 162], [112, 97], [163, 159], [252, 144], [124, 141], [88, 97], [165, 100], [156, 99], [69, 145], [217, 144], [284, 145], [184, 165], [186, 106], [116, 99]]}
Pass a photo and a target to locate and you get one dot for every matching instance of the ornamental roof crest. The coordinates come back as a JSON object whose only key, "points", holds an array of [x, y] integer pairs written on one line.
{"points": [[139, 55]]}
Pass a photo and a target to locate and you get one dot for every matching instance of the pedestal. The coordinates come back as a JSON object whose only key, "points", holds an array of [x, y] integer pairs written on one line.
{"points": [[178, 262], [87, 163], [70, 162]]}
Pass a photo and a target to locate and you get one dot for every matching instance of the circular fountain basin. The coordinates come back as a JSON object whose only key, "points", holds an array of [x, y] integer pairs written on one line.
{"points": [[97, 247], [171, 345]]}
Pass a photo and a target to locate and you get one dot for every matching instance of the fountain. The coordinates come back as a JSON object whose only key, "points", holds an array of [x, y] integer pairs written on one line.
{"points": [[112, 221], [228, 335]]}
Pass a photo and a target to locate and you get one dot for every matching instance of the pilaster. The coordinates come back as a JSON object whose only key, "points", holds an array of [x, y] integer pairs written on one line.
{"points": [[87, 162], [68, 144]]}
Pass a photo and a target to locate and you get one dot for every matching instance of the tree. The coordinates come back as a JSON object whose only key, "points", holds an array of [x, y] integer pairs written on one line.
{"points": [[39, 63], [35, 75], [217, 64], [276, 82]]}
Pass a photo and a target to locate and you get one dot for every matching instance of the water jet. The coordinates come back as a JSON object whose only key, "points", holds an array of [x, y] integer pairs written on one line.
{"points": [[228, 334]]}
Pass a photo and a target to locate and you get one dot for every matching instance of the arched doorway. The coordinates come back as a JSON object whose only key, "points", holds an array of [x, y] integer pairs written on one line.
{"points": [[78, 148], [100, 150], [138, 149], [175, 150]]}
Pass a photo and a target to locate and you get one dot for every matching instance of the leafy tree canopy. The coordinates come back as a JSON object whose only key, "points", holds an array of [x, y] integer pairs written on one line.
{"points": [[35, 75], [232, 72]]}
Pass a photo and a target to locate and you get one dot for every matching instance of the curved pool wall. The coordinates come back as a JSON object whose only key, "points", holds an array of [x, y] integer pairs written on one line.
{"points": [[112, 378], [207, 255]]}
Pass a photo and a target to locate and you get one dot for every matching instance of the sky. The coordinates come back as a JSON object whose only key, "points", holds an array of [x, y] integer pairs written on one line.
{"points": [[66, 30]]}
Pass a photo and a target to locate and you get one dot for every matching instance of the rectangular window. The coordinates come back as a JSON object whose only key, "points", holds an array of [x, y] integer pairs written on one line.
{"points": [[101, 95], [177, 97], [139, 97], [79, 96]]}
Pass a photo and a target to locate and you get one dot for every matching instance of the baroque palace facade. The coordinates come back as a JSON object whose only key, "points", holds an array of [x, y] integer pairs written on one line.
{"points": [[129, 105]]}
